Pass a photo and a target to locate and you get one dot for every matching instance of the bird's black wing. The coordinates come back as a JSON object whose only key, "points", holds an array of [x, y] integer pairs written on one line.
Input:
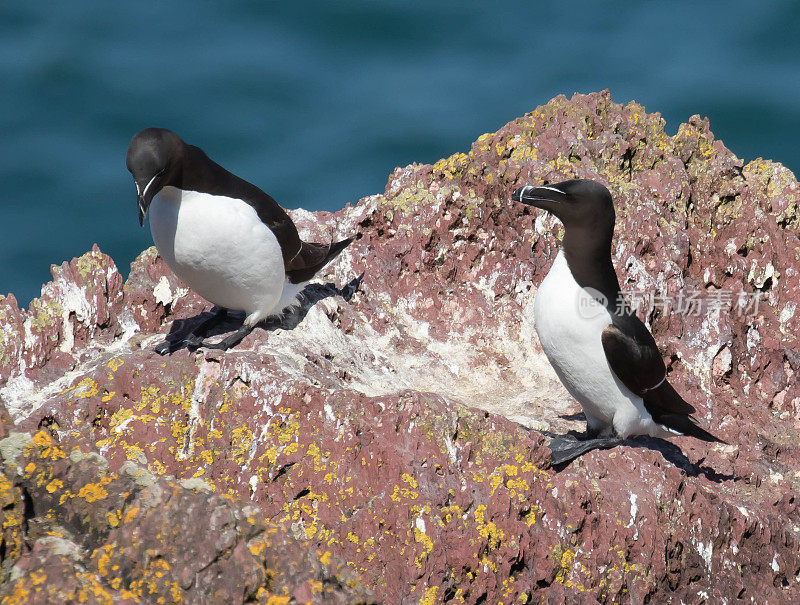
{"points": [[311, 258], [634, 357]]}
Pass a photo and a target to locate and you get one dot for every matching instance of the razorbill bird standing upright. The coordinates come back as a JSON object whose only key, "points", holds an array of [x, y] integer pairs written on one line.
{"points": [[606, 358], [224, 237]]}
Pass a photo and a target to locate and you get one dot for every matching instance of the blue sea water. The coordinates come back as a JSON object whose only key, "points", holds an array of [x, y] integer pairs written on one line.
{"points": [[316, 102]]}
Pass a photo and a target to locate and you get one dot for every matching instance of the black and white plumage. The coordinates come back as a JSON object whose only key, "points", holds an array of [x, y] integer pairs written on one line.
{"points": [[224, 237], [603, 354]]}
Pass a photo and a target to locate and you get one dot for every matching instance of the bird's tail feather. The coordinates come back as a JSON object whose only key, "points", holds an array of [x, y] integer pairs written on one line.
{"points": [[334, 250], [687, 425], [311, 258]]}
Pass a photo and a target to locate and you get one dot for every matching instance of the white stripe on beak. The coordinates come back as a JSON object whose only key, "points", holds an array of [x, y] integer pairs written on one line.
{"points": [[550, 189], [144, 193]]}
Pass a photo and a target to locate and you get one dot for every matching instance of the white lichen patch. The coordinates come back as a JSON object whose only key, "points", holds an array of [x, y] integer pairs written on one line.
{"points": [[744, 511], [73, 301], [16, 392], [544, 223], [704, 344], [509, 376], [759, 277], [206, 376], [162, 292], [787, 313], [706, 551], [634, 510], [197, 484], [753, 340]]}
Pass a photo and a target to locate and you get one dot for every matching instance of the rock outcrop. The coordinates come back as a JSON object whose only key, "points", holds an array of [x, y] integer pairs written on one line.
{"points": [[383, 449]]}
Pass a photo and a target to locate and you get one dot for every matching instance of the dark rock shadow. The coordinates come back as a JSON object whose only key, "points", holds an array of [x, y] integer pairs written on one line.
{"points": [[673, 454], [310, 295]]}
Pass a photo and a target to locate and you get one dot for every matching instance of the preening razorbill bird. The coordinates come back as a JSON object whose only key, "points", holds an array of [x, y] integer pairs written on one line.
{"points": [[224, 237], [606, 358]]}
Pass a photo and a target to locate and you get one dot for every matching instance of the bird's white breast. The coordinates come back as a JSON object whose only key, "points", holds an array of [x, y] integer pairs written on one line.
{"points": [[220, 248], [570, 322]]}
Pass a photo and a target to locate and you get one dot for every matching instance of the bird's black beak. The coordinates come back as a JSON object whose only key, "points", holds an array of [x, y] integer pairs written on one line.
{"points": [[143, 205], [542, 197], [146, 191]]}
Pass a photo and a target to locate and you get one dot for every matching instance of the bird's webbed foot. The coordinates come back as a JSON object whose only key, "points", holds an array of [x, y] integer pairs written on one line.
{"points": [[230, 341], [195, 338], [566, 448]]}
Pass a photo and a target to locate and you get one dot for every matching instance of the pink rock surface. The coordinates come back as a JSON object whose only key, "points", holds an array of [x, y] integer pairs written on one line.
{"points": [[393, 431], [75, 533]]}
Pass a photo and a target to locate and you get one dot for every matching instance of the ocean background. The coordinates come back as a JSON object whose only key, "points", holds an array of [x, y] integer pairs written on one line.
{"points": [[317, 102]]}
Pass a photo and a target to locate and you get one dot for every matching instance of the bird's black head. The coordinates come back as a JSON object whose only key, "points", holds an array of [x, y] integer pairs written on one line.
{"points": [[579, 203], [154, 159]]}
